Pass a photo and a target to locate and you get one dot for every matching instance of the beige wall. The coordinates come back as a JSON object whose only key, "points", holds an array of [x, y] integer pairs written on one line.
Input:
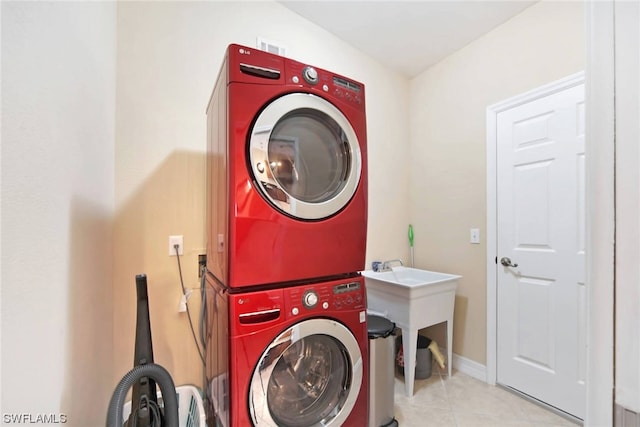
{"points": [[58, 121], [169, 55], [448, 133]]}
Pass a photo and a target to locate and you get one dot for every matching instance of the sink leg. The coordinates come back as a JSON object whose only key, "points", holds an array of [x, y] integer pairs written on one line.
{"points": [[449, 345], [409, 344]]}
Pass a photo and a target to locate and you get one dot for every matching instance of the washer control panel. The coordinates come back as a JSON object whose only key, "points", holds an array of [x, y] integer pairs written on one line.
{"points": [[319, 298], [348, 294]]}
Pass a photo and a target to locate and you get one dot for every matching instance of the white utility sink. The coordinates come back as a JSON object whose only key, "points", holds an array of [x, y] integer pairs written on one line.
{"points": [[410, 279], [413, 299]]}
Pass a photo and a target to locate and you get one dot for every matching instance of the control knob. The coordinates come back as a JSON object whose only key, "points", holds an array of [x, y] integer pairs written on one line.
{"points": [[310, 299], [310, 75]]}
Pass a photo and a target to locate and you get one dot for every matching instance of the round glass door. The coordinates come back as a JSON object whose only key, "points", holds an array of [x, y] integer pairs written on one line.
{"points": [[305, 156], [309, 376]]}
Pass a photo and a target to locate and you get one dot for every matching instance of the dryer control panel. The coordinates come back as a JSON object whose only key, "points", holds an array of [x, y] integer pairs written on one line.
{"points": [[329, 83], [251, 65]]}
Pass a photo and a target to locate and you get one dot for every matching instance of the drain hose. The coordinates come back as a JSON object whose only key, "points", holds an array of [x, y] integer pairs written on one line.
{"points": [[162, 378]]}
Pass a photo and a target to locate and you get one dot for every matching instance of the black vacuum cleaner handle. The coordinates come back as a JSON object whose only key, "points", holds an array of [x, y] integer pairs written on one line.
{"points": [[143, 347], [145, 389], [141, 287]]}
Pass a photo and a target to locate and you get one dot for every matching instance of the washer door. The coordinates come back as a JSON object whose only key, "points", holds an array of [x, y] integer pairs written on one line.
{"points": [[305, 156], [310, 375]]}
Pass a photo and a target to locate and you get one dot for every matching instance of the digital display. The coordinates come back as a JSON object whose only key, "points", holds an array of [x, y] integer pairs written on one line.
{"points": [[346, 84], [347, 287]]}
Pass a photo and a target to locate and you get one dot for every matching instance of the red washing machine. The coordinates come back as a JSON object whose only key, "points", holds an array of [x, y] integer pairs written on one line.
{"points": [[293, 356], [286, 171]]}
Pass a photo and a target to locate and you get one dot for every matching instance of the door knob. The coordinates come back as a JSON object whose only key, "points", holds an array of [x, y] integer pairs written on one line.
{"points": [[506, 261]]}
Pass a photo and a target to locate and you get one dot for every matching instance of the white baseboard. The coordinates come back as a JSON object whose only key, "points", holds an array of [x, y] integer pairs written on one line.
{"points": [[469, 367], [625, 417]]}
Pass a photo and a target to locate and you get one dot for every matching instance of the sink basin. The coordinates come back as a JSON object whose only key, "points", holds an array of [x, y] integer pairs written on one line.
{"points": [[410, 282], [412, 277], [397, 292]]}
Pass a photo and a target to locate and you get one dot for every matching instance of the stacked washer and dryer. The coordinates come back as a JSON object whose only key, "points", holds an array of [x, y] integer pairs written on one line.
{"points": [[286, 238]]}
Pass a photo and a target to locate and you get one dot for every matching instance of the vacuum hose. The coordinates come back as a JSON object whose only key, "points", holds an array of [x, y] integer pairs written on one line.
{"points": [[158, 373]]}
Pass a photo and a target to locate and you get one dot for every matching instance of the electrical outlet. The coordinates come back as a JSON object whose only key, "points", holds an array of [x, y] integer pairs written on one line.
{"points": [[173, 241]]}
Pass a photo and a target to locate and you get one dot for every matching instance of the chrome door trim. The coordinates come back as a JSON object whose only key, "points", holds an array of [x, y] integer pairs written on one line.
{"points": [[258, 405], [259, 157]]}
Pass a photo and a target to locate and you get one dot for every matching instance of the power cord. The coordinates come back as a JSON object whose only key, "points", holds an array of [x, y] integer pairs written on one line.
{"points": [[184, 292], [152, 408], [204, 334], [204, 326]]}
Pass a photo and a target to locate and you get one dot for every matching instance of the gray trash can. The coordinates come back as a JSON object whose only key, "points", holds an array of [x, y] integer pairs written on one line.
{"points": [[424, 358], [381, 377]]}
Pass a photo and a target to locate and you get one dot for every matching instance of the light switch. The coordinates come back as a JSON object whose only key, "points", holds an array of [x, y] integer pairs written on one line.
{"points": [[475, 236]]}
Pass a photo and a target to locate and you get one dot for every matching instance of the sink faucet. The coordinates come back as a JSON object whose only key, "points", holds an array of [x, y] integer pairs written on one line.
{"points": [[386, 266]]}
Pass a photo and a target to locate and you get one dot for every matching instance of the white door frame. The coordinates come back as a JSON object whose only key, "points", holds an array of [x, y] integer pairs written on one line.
{"points": [[600, 213], [492, 230], [600, 217]]}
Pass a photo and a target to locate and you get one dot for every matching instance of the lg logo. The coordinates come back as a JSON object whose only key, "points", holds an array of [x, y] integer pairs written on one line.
{"points": [[244, 52]]}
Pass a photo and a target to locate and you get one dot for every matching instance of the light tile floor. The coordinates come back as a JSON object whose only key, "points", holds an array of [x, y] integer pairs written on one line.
{"points": [[463, 401]]}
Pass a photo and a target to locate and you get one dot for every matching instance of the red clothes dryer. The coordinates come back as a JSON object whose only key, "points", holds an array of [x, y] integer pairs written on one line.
{"points": [[293, 356], [286, 171]]}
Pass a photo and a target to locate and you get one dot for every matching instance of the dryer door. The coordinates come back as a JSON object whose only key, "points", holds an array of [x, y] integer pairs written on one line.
{"points": [[310, 375], [305, 156]]}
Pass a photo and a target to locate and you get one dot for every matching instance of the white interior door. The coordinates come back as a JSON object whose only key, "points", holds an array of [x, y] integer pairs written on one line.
{"points": [[541, 318]]}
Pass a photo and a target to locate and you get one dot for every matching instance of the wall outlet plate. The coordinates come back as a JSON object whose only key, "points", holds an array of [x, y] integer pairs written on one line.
{"points": [[176, 240]]}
